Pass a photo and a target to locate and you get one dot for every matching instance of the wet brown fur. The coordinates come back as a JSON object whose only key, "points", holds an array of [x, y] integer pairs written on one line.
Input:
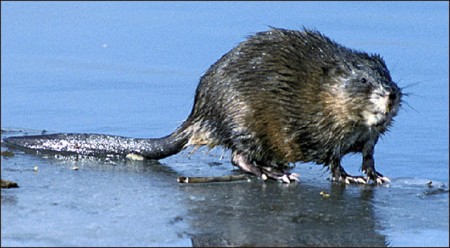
{"points": [[284, 96]]}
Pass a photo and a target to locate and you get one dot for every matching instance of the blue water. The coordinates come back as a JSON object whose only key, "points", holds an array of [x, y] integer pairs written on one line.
{"points": [[131, 69]]}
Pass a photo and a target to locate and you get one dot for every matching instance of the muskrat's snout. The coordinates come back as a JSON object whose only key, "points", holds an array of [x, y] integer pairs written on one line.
{"points": [[392, 102], [391, 95], [385, 103]]}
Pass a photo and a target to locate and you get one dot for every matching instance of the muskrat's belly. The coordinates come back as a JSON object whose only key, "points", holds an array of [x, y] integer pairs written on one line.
{"points": [[266, 137]]}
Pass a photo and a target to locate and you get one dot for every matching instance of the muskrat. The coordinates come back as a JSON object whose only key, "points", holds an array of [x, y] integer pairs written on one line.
{"points": [[277, 98]]}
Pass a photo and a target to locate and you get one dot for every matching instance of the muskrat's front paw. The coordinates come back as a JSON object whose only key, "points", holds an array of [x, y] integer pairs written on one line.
{"points": [[356, 179], [377, 177], [347, 179], [362, 180]]}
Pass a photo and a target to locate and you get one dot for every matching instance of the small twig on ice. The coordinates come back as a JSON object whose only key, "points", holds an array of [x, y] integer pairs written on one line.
{"points": [[212, 179], [9, 184]]}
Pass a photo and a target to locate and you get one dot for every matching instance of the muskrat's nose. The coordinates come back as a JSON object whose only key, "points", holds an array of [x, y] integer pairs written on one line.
{"points": [[392, 96]]}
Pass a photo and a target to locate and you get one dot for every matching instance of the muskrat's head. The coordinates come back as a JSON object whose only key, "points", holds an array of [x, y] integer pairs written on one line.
{"points": [[371, 97]]}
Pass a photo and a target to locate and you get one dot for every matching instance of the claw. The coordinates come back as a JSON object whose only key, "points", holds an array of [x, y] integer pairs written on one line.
{"points": [[294, 177], [347, 181], [361, 180], [285, 179], [382, 179], [264, 177], [353, 179], [386, 179]]}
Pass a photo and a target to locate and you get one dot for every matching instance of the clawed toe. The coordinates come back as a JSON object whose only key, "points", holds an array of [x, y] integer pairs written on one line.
{"points": [[382, 179], [377, 177], [294, 177], [361, 180], [290, 177], [285, 179]]}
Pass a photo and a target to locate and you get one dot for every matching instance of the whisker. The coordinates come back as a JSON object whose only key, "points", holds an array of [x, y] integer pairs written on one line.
{"points": [[407, 104], [410, 85]]}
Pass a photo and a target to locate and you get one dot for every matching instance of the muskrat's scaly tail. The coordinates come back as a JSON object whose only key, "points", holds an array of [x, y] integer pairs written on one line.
{"points": [[102, 145]]}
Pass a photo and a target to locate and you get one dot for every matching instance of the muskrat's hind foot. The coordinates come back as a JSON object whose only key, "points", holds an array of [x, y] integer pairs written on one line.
{"points": [[280, 175], [247, 166], [262, 172]]}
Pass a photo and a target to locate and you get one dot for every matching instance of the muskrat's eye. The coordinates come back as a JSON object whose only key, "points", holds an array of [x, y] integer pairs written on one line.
{"points": [[363, 80]]}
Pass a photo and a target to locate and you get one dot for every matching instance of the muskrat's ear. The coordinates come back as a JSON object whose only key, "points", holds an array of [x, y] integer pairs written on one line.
{"points": [[332, 69], [326, 70]]}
